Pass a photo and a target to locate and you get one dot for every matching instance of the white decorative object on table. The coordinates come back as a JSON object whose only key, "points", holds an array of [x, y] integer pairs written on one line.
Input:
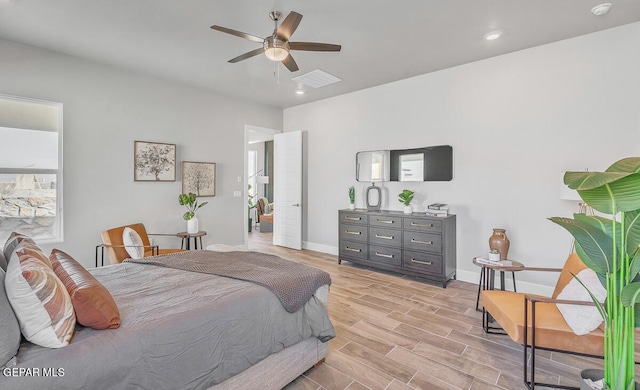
{"points": [[494, 255], [192, 225]]}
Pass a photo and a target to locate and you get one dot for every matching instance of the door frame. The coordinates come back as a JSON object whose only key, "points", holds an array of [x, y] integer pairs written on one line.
{"points": [[247, 130]]}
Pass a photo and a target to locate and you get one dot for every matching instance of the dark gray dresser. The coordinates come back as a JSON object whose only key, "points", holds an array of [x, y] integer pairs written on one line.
{"points": [[412, 244]]}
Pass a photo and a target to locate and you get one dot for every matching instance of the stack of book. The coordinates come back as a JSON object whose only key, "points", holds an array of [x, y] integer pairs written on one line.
{"points": [[437, 210], [499, 263]]}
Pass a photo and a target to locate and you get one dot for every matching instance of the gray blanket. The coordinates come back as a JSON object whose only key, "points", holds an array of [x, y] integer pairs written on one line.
{"points": [[292, 283]]}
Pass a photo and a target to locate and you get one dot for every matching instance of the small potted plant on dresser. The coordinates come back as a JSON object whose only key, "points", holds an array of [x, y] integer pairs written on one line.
{"points": [[405, 197], [352, 198]]}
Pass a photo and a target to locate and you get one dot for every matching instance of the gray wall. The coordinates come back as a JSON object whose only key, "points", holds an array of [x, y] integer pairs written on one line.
{"points": [[516, 122], [105, 110]]}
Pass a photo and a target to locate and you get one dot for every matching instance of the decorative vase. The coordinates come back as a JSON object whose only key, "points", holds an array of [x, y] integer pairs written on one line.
{"points": [[192, 225], [352, 206], [407, 209], [500, 242]]}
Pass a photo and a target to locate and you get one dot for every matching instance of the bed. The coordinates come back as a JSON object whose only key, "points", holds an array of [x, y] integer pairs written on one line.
{"points": [[182, 330]]}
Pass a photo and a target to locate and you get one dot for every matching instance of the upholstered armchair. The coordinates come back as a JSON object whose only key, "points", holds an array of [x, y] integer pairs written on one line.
{"points": [[536, 322], [113, 244]]}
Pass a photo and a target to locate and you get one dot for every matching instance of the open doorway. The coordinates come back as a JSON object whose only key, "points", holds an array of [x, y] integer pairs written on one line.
{"points": [[259, 178]]}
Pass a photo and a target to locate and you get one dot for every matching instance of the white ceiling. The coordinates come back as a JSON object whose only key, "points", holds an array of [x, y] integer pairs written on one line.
{"points": [[382, 40]]}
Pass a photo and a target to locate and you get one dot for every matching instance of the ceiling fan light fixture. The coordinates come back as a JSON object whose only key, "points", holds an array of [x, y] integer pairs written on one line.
{"points": [[275, 49]]}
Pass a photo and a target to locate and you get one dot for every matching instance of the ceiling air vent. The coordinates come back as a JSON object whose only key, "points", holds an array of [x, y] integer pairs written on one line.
{"points": [[317, 78]]}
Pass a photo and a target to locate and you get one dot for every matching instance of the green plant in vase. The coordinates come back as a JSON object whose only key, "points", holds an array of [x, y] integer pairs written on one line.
{"points": [[352, 197], [405, 197], [609, 246], [191, 203]]}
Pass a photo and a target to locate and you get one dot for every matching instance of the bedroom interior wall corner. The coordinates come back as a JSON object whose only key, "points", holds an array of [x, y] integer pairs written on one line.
{"points": [[105, 110]]}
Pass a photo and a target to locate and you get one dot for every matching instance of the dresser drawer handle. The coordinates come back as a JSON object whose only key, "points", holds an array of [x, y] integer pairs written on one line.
{"points": [[384, 220], [385, 237], [421, 224], [422, 262], [383, 255], [422, 242], [350, 232], [352, 249], [353, 218]]}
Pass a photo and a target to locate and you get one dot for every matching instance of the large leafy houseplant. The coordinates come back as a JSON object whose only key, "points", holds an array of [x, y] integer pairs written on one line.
{"points": [[609, 246]]}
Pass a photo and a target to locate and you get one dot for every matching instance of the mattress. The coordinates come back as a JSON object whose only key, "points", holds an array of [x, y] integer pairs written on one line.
{"points": [[180, 330]]}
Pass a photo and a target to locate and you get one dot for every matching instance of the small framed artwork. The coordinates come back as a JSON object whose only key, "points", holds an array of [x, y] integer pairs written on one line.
{"points": [[199, 178], [154, 161]]}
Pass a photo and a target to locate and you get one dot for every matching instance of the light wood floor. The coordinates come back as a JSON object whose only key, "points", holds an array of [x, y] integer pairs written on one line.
{"points": [[396, 332]]}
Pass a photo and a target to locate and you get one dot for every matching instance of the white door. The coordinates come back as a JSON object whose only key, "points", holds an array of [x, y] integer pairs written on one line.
{"points": [[287, 194]]}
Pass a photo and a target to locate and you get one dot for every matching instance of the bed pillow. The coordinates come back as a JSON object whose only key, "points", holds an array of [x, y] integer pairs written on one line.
{"points": [[9, 327], [39, 299], [133, 243], [3, 261], [92, 302], [12, 243], [582, 319]]}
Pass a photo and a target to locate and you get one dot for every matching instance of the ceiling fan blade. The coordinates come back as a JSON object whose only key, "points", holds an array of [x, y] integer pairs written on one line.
{"points": [[238, 33], [289, 25], [290, 63], [314, 46], [250, 54]]}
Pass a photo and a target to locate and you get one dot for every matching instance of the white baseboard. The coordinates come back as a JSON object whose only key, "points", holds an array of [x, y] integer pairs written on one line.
{"points": [[463, 275], [332, 250], [532, 288]]}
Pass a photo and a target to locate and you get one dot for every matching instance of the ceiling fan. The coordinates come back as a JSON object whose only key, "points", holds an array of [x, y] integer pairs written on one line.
{"points": [[277, 46]]}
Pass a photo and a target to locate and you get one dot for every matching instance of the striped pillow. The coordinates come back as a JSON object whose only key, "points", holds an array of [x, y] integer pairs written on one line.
{"points": [[39, 299]]}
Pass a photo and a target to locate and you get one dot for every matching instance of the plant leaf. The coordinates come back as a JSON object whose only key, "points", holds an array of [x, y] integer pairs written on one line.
{"points": [[595, 245], [630, 294], [629, 164], [632, 226], [607, 192], [598, 304]]}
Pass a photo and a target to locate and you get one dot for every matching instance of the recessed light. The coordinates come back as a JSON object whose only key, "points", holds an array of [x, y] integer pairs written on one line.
{"points": [[601, 9], [299, 92], [490, 36]]}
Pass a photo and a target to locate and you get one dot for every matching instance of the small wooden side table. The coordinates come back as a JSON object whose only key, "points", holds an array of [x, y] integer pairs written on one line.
{"points": [[186, 238], [488, 273]]}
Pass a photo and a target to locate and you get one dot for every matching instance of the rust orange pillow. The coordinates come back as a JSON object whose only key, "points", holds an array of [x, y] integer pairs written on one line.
{"points": [[92, 302]]}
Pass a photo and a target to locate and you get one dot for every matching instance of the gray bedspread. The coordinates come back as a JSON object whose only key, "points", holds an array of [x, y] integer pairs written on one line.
{"points": [[180, 330], [292, 283]]}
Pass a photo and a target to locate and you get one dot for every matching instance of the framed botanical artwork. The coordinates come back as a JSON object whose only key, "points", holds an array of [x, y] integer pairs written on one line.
{"points": [[199, 178], [154, 161]]}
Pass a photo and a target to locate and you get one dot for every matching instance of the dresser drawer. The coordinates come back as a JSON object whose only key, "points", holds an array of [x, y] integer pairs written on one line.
{"points": [[353, 232], [422, 241], [385, 236], [422, 262], [423, 225], [385, 221], [353, 218], [355, 250], [385, 255]]}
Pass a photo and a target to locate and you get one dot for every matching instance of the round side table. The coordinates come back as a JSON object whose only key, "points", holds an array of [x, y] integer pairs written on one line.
{"points": [[488, 272]]}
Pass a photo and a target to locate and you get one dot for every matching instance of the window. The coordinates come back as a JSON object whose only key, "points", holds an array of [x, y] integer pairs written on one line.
{"points": [[31, 168], [252, 168]]}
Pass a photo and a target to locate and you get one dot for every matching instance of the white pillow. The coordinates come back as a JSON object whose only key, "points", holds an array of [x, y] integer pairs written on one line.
{"points": [[133, 243], [582, 319], [39, 299]]}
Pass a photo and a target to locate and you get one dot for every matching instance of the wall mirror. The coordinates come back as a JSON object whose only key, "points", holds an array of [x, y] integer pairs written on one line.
{"points": [[432, 163]]}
